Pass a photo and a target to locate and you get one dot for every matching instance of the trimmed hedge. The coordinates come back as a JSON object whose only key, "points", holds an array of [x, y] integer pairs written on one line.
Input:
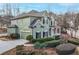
{"points": [[38, 45], [41, 40], [53, 43], [75, 41], [57, 37]]}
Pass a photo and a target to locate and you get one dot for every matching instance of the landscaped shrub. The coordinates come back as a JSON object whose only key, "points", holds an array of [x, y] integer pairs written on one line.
{"points": [[19, 47], [52, 43], [64, 49], [15, 36], [29, 37], [43, 45], [75, 41], [57, 37], [39, 45], [41, 40]]}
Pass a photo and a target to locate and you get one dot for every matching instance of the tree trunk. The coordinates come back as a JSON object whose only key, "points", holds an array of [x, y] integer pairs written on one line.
{"points": [[71, 33]]}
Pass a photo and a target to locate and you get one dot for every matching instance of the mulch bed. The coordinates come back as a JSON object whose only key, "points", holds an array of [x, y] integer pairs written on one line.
{"points": [[10, 52], [50, 51]]}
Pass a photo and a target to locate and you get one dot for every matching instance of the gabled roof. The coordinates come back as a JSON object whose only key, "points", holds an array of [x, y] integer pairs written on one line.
{"points": [[33, 13], [32, 23]]}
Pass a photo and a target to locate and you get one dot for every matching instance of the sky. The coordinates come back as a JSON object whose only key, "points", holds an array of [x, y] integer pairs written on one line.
{"points": [[54, 7]]}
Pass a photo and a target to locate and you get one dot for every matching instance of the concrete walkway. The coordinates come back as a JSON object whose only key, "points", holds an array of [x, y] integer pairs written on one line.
{"points": [[7, 45], [28, 44]]}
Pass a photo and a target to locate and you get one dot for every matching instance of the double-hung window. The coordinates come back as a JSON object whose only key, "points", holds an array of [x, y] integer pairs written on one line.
{"points": [[45, 34], [38, 34]]}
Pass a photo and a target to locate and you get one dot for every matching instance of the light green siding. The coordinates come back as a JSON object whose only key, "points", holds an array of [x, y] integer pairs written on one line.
{"points": [[24, 34], [11, 30], [23, 24]]}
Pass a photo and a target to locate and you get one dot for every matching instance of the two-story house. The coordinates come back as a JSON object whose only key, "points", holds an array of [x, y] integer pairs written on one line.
{"points": [[38, 24]]}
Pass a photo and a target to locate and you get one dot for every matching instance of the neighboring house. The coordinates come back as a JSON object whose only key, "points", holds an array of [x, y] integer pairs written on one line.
{"points": [[38, 24], [4, 22], [72, 32]]}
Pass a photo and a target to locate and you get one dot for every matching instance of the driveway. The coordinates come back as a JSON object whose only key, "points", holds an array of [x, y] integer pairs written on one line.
{"points": [[7, 45]]}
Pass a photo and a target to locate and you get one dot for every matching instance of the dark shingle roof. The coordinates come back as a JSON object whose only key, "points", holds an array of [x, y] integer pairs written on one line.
{"points": [[33, 13], [32, 23]]}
